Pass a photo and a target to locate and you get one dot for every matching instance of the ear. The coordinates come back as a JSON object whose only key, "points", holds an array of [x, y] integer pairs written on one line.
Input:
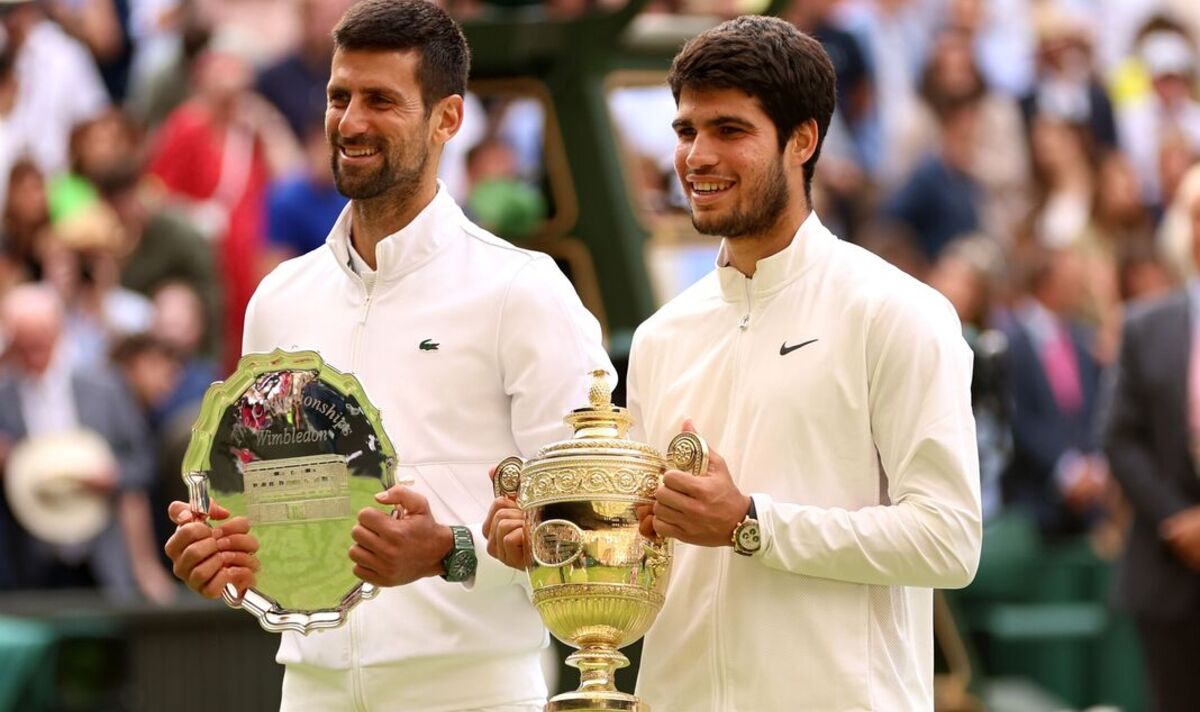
{"points": [[446, 118], [803, 143]]}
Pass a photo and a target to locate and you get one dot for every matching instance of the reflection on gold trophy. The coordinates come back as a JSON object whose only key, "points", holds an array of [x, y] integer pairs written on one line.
{"points": [[598, 584]]}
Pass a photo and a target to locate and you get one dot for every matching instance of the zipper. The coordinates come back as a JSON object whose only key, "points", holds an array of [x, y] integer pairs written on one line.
{"points": [[745, 322], [722, 682], [359, 327], [360, 702], [356, 682]]}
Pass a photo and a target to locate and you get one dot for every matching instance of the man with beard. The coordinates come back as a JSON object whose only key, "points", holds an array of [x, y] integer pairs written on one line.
{"points": [[834, 392], [470, 348]]}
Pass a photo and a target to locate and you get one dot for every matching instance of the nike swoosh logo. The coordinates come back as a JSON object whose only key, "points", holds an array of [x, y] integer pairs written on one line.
{"points": [[784, 349]]}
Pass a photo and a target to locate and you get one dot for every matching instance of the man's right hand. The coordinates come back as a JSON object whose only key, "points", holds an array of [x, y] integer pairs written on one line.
{"points": [[504, 528], [207, 558]]}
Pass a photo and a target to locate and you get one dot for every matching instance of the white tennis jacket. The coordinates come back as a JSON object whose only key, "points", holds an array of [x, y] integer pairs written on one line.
{"points": [[514, 346], [838, 390]]}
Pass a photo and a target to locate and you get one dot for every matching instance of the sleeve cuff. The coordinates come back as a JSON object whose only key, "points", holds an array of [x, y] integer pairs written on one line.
{"points": [[762, 512], [489, 573]]}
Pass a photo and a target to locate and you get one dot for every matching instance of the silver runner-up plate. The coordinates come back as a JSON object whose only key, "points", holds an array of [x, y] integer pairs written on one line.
{"points": [[295, 446]]}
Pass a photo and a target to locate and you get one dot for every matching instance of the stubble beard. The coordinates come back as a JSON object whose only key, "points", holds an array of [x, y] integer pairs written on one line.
{"points": [[397, 179], [771, 202]]}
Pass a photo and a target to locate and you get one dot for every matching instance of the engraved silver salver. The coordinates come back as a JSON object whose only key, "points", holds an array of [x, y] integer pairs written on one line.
{"points": [[295, 446]]}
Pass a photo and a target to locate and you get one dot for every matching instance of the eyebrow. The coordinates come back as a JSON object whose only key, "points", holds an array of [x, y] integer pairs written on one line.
{"points": [[376, 91], [719, 120]]}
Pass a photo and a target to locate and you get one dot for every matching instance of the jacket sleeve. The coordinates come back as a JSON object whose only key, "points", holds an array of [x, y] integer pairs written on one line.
{"points": [[1127, 438], [547, 345], [927, 530]]}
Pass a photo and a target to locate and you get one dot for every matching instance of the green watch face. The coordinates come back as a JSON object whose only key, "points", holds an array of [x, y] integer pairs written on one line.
{"points": [[461, 565]]}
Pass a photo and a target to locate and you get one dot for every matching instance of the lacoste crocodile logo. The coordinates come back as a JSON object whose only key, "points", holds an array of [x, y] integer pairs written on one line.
{"points": [[429, 345], [784, 349]]}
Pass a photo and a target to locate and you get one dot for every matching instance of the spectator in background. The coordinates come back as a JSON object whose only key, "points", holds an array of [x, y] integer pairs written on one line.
{"points": [[1119, 224], [26, 218], [1170, 109], [97, 146], [1176, 154], [850, 65], [1002, 34], [295, 84], [1066, 85], [941, 199], [1174, 235], [499, 200], [1057, 473], [81, 262], [162, 78], [12, 145], [1064, 177], [160, 246], [895, 37], [58, 84], [303, 205], [1143, 274], [49, 396], [215, 155], [1152, 439], [180, 323], [1000, 161], [151, 370], [102, 26]]}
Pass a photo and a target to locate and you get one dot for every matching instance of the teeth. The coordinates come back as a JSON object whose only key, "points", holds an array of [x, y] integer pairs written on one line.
{"points": [[358, 152], [710, 187]]}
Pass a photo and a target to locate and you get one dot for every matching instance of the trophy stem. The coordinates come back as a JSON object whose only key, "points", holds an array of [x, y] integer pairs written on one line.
{"points": [[597, 692], [597, 666]]}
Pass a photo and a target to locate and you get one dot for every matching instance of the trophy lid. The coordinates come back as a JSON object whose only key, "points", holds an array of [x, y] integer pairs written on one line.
{"points": [[600, 425]]}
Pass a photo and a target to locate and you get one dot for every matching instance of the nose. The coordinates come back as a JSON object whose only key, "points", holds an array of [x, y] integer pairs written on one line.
{"points": [[701, 154], [352, 121]]}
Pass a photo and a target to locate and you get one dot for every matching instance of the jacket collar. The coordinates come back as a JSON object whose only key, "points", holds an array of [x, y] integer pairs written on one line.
{"points": [[406, 249], [808, 247]]}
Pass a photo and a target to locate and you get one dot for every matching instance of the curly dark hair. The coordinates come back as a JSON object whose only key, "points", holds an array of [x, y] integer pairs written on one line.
{"points": [[786, 70]]}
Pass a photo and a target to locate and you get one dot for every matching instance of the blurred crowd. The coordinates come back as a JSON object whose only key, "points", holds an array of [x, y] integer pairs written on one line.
{"points": [[1035, 160]]}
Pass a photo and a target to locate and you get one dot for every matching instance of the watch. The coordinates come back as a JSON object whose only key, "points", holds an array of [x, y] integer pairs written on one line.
{"points": [[460, 563], [746, 538]]}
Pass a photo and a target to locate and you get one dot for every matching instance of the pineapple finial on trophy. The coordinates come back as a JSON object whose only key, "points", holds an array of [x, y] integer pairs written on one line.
{"points": [[600, 392]]}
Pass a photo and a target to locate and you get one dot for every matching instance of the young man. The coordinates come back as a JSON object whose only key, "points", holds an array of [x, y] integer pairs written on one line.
{"points": [[834, 391], [471, 349]]}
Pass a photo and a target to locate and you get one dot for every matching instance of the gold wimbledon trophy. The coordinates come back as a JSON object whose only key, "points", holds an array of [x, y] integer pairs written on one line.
{"points": [[598, 583]]}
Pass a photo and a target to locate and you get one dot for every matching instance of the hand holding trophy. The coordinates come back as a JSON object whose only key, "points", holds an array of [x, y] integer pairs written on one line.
{"points": [[598, 582], [296, 457]]}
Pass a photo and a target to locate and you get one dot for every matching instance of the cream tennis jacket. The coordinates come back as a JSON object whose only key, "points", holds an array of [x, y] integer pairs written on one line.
{"points": [[838, 390], [513, 350]]}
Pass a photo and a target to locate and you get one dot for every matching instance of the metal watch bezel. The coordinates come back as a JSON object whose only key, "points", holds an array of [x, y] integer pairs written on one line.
{"points": [[747, 524]]}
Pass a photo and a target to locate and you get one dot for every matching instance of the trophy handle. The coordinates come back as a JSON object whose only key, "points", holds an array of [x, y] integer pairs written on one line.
{"points": [[689, 452], [198, 499], [507, 481]]}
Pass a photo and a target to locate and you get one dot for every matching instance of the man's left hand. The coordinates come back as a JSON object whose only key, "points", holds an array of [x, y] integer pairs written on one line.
{"points": [[698, 510], [395, 550]]}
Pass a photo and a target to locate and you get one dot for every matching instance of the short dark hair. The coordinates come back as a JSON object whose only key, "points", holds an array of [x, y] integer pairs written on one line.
{"points": [[787, 71], [403, 25]]}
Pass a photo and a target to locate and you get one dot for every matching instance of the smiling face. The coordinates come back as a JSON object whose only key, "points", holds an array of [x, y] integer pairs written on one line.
{"points": [[377, 125], [729, 162]]}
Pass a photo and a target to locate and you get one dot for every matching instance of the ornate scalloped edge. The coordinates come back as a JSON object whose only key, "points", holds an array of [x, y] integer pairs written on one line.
{"points": [[198, 459], [622, 591]]}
